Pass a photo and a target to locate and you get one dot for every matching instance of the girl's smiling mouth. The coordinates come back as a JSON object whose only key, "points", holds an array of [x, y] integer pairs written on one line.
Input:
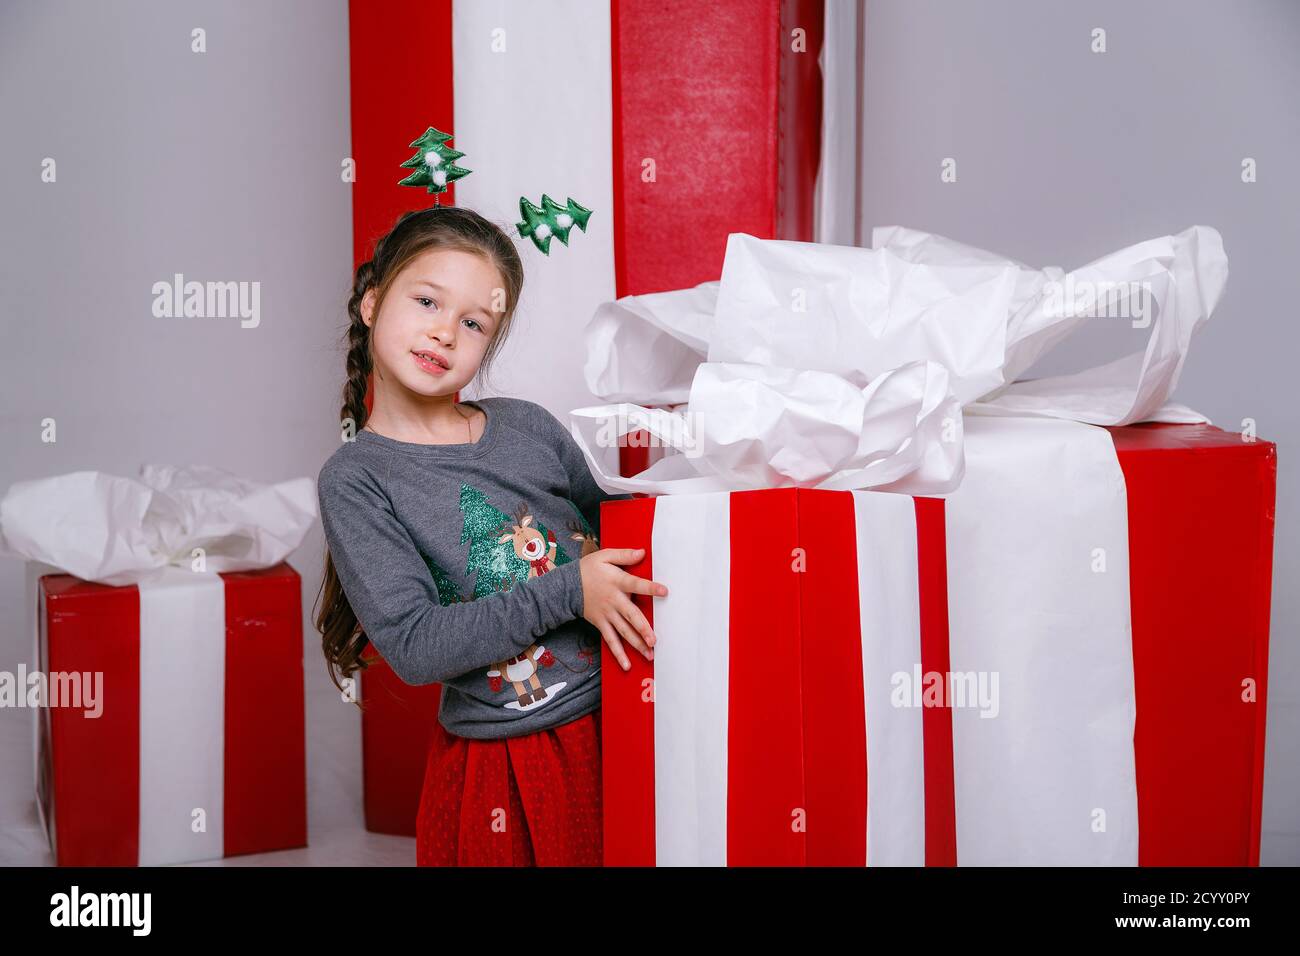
{"points": [[431, 362]]}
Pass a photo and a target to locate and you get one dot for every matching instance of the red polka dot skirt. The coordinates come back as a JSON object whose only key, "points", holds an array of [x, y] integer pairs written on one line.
{"points": [[518, 801]]}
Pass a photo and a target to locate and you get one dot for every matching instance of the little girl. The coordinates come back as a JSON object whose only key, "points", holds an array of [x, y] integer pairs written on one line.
{"points": [[463, 544]]}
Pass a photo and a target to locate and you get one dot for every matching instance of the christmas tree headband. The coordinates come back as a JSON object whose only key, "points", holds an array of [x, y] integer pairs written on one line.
{"points": [[435, 166]]}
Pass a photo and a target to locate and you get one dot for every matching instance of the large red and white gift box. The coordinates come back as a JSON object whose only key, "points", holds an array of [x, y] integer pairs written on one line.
{"points": [[923, 608], [167, 639], [1062, 662], [194, 748]]}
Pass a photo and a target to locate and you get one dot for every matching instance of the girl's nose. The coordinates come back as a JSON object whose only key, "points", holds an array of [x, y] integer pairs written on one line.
{"points": [[444, 330]]}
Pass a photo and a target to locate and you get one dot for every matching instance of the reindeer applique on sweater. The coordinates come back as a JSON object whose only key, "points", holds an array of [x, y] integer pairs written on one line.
{"points": [[504, 549], [522, 669]]}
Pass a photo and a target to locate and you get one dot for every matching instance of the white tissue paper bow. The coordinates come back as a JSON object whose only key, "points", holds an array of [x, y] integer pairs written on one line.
{"points": [[840, 367], [120, 531]]}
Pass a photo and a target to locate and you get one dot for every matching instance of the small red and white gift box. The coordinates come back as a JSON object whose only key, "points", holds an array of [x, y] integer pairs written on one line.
{"points": [[187, 741]]}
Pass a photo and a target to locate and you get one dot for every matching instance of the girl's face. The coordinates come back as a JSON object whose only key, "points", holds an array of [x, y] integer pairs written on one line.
{"points": [[436, 323]]}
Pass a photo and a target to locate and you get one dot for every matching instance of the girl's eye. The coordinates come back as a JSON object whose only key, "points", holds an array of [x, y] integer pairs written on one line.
{"points": [[426, 302]]}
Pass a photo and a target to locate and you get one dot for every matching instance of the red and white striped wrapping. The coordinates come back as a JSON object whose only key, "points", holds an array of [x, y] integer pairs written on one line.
{"points": [[199, 751], [778, 723]]}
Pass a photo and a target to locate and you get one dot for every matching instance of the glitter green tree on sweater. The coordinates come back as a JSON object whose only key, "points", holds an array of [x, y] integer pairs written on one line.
{"points": [[448, 592], [504, 548]]}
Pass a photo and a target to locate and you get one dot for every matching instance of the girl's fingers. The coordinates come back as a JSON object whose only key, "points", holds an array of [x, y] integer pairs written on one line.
{"points": [[615, 646], [635, 585], [638, 620], [623, 555], [631, 636]]}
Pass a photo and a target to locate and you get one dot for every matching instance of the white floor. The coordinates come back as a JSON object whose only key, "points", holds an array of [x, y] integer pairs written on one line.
{"points": [[336, 832]]}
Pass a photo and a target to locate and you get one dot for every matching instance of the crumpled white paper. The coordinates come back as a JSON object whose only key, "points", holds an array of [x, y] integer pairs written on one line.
{"points": [[119, 531], [839, 367], [645, 348]]}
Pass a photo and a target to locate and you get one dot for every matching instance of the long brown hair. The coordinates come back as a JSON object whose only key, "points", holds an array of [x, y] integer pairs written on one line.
{"points": [[416, 232]]}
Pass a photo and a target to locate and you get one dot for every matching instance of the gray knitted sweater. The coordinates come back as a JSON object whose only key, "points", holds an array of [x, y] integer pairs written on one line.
{"points": [[461, 563]]}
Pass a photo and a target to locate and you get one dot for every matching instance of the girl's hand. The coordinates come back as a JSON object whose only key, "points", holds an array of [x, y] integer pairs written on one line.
{"points": [[605, 601]]}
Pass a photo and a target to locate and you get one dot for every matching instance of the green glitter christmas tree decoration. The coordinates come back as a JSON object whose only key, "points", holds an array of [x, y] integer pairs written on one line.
{"points": [[434, 163], [448, 592], [551, 220], [495, 565]]}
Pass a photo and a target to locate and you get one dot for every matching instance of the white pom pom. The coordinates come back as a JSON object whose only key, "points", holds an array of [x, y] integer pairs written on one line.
{"points": [[432, 158], [542, 231], [440, 177], [564, 219]]}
